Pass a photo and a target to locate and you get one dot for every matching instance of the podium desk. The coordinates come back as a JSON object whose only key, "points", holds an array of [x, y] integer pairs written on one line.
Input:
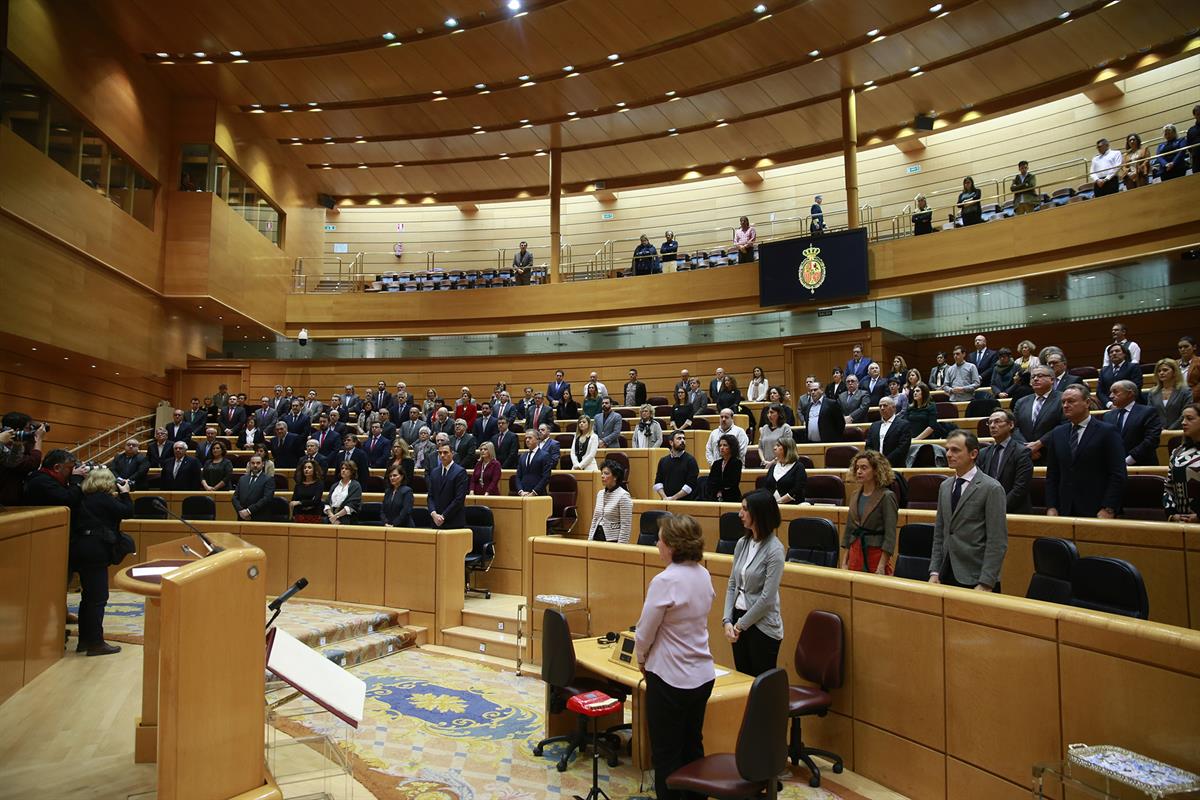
{"points": [[722, 716]]}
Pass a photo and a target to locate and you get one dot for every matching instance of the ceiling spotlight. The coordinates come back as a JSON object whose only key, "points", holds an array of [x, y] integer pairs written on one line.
{"points": [[362, 166], [671, 93], [329, 138], [514, 5], [312, 104], [241, 61], [528, 83], [917, 74], [235, 53], [621, 104], [481, 86], [437, 91], [524, 121], [326, 166], [1064, 15], [568, 68], [760, 9], [451, 22], [387, 37], [933, 9], [198, 54], [477, 127], [204, 61], [670, 130], [872, 33], [522, 77], [256, 105], [868, 83], [527, 125], [617, 63], [613, 56], [814, 53], [283, 105], [914, 69], [163, 55], [504, 156], [572, 113]]}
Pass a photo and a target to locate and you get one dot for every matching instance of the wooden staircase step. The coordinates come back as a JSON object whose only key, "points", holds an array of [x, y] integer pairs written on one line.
{"points": [[478, 640]]}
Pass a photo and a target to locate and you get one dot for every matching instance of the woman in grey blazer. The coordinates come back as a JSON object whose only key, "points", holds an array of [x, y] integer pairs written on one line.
{"points": [[1170, 396], [752, 620]]}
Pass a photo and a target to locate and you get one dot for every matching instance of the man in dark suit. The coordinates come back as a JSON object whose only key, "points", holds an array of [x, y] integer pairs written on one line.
{"points": [[196, 416], [525, 403], [533, 468], [889, 434], [1062, 377], [387, 427], [1085, 468], [875, 385], [858, 363], [378, 447], [232, 419], [970, 532], [337, 424], [160, 449], [547, 442], [714, 386], [265, 416], [402, 401], [984, 359], [1039, 413], [312, 452], [505, 408], [556, 387], [411, 428], [297, 421], [1139, 425], [281, 402], [464, 445], [381, 397], [507, 444], [350, 403], [204, 447], [484, 427], [634, 393], [285, 447], [177, 429], [351, 452], [539, 412], [253, 492], [824, 421], [854, 402], [181, 472], [697, 397], [1008, 461], [328, 440], [447, 496], [131, 465], [685, 382]]}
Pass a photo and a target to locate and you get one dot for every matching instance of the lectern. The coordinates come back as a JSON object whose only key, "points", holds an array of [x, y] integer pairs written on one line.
{"points": [[204, 670]]}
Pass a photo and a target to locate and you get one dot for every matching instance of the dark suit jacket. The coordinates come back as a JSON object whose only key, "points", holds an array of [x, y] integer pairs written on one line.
{"points": [[253, 495], [351, 404], [509, 411], [179, 433], [188, 479], [1141, 433], [859, 369], [196, 419], [639, 392], [235, 423], [831, 424], [545, 415], [1048, 419], [1110, 375], [855, 405], [1093, 479], [448, 495], [533, 475], [881, 388], [724, 480], [381, 399], [1066, 380], [1015, 474], [265, 418], [895, 445], [379, 455], [359, 457], [331, 443], [287, 452], [133, 468], [484, 428], [555, 389], [507, 448], [397, 507], [157, 455], [984, 364], [399, 411], [464, 451], [300, 425]]}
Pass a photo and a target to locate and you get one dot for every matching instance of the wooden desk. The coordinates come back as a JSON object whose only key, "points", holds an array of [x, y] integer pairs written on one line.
{"points": [[722, 717]]}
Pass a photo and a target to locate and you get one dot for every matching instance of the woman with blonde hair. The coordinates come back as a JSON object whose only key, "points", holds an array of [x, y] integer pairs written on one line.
{"points": [[869, 542], [1169, 397], [105, 503], [584, 445], [1026, 360], [648, 432]]}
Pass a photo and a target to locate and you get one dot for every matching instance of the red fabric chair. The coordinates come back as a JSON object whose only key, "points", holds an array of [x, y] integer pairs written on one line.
{"points": [[820, 654]]}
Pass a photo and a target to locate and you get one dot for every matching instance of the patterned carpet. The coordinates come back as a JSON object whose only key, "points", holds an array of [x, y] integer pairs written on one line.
{"points": [[444, 728], [122, 616]]}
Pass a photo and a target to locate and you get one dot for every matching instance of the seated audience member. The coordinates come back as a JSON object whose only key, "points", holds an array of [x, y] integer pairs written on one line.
{"points": [[698, 397], [1135, 163], [962, 378], [984, 359], [217, 473], [677, 473], [1169, 396], [522, 264], [970, 211], [131, 465], [286, 447], [824, 421], [786, 477], [401, 456], [102, 505], [507, 444], [869, 541], [816, 225], [1133, 351], [1060, 371], [837, 383], [1026, 358], [607, 424], [645, 258], [1171, 156], [233, 418], [922, 415], [648, 432], [583, 446], [1189, 365], [875, 385], [744, 239], [634, 390], [725, 475], [351, 452], [890, 435], [306, 503], [1120, 368], [1106, 169], [591, 400], [970, 531], [345, 498], [756, 390], [612, 518], [1085, 467], [1008, 461], [181, 472], [253, 492], [177, 429], [1024, 189], [250, 436], [1138, 425], [922, 217], [567, 407], [682, 412], [396, 511], [726, 427], [1004, 373], [1180, 498], [897, 395], [854, 401], [485, 476], [464, 445], [533, 468], [260, 450], [775, 427], [937, 373]]}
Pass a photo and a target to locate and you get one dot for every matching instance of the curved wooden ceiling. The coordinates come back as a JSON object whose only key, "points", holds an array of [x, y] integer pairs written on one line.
{"points": [[658, 89]]}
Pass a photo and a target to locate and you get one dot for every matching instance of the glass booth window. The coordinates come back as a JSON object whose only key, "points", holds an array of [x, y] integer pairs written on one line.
{"points": [[204, 168]]}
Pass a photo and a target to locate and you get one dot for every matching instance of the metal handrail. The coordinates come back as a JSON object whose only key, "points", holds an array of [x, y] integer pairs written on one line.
{"points": [[103, 444]]}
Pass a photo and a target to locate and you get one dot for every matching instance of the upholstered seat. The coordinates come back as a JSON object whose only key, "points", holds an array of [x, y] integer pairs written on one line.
{"points": [[803, 700], [819, 658]]}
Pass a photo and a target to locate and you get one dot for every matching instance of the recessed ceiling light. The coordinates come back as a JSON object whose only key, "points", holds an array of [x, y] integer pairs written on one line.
{"points": [[477, 127], [868, 83], [477, 132], [760, 8], [160, 55], [522, 77], [814, 53], [362, 166], [65, 358], [481, 86], [241, 61], [572, 113], [520, 14], [199, 54], [397, 164], [721, 123], [914, 69], [503, 157], [568, 68], [670, 130], [514, 5], [614, 56], [878, 39], [1064, 15], [257, 111], [326, 166], [873, 32], [256, 105], [389, 36], [528, 83], [329, 138], [283, 105], [621, 104], [671, 93], [199, 306], [451, 22], [527, 125], [459, 30], [437, 91], [933, 9], [917, 74], [524, 121], [617, 63], [34, 349], [204, 61], [235, 53]]}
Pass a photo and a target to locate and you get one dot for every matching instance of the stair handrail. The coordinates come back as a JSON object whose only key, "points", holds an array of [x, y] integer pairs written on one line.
{"points": [[106, 442]]}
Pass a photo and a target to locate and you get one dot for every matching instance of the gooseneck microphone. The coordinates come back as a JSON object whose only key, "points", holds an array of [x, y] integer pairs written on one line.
{"points": [[276, 605], [162, 506]]}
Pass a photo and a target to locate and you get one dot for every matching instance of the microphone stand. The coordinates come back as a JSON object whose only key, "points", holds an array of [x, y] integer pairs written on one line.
{"points": [[212, 548]]}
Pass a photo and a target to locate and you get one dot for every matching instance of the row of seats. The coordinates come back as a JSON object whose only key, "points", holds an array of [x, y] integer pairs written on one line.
{"points": [[440, 280]]}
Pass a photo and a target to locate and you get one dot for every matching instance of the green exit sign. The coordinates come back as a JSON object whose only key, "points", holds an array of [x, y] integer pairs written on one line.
{"points": [[329, 228], [912, 169], [607, 215]]}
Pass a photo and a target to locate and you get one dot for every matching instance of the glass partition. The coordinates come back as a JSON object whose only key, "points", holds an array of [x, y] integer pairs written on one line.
{"points": [[204, 168]]}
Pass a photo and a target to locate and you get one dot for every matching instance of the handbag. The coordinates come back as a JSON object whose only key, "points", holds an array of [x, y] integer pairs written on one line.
{"points": [[118, 543]]}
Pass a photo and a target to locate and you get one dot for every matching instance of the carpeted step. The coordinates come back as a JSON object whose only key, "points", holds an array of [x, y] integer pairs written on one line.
{"points": [[477, 640], [351, 652], [487, 620], [319, 624]]}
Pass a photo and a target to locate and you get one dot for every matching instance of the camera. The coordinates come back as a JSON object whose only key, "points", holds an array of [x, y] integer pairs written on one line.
{"points": [[122, 481], [302, 338], [27, 434]]}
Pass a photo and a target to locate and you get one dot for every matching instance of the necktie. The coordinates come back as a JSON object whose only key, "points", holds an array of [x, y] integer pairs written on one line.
{"points": [[1076, 434], [1121, 418], [956, 493], [1037, 406], [998, 460], [175, 473]]}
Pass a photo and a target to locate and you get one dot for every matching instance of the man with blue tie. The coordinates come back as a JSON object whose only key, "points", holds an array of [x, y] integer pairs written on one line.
{"points": [[858, 363], [1139, 425], [484, 427], [555, 389], [285, 447], [533, 468], [447, 491], [1085, 468], [297, 421]]}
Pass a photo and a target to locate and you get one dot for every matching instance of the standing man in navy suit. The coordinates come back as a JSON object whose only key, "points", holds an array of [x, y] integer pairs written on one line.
{"points": [[378, 447], [286, 447], [858, 363], [984, 359], [555, 389], [533, 468], [447, 491], [1085, 470], [1139, 425], [484, 427]]}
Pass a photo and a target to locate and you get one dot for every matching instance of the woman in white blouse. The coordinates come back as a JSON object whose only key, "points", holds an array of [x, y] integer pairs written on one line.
{"points": [[345, 498], [612, 520], [757, 390], [648, 432], [583, 446]]}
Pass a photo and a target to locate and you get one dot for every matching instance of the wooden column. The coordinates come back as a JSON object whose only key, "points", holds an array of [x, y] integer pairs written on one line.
{"points": [[555, 203], [850, 155]]}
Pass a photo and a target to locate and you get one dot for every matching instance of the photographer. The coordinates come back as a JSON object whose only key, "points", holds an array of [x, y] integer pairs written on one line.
{"points": [[52, 486], [20, 454], [104, 504]]}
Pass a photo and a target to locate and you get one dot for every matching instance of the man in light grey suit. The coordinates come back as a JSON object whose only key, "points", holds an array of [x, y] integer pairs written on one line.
{"points": [[607, 424], [854, 401], [970, 534]]}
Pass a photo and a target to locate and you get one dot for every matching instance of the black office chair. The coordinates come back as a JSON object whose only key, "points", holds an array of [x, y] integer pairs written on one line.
{"points": [[981, 407], [915, 548], [277, 510], [147, 507], [813, 540], [1053, 561], [370, 514], [198, 507], [483, 546], [648, 527], [730, 531], [421, 518], [1108, 584]]}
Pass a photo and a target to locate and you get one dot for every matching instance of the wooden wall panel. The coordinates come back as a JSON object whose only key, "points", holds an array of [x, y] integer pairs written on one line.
{"points": [[14, 595]]}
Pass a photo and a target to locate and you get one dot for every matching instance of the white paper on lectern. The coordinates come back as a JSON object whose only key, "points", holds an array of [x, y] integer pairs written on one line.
{"points": [[142, 572], [317, 677]]}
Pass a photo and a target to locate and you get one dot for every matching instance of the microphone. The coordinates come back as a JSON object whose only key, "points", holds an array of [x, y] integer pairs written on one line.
{"points": [[162, 506], [296, 587], [190, 551]]}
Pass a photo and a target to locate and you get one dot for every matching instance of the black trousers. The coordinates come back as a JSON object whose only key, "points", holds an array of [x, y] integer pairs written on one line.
{"points": [[746, 257], [754, 652], [946, 577], [675, 721], [89, 557], [1109, 186]]}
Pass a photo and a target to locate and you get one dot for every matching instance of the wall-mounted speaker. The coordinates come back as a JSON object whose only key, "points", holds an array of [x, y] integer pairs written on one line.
{"points": [[326, 201], [923, 123]]}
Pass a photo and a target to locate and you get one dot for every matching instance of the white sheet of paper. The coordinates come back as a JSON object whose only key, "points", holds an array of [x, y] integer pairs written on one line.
{"points": [[142, 572], [721, 672], [317, 677]]}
